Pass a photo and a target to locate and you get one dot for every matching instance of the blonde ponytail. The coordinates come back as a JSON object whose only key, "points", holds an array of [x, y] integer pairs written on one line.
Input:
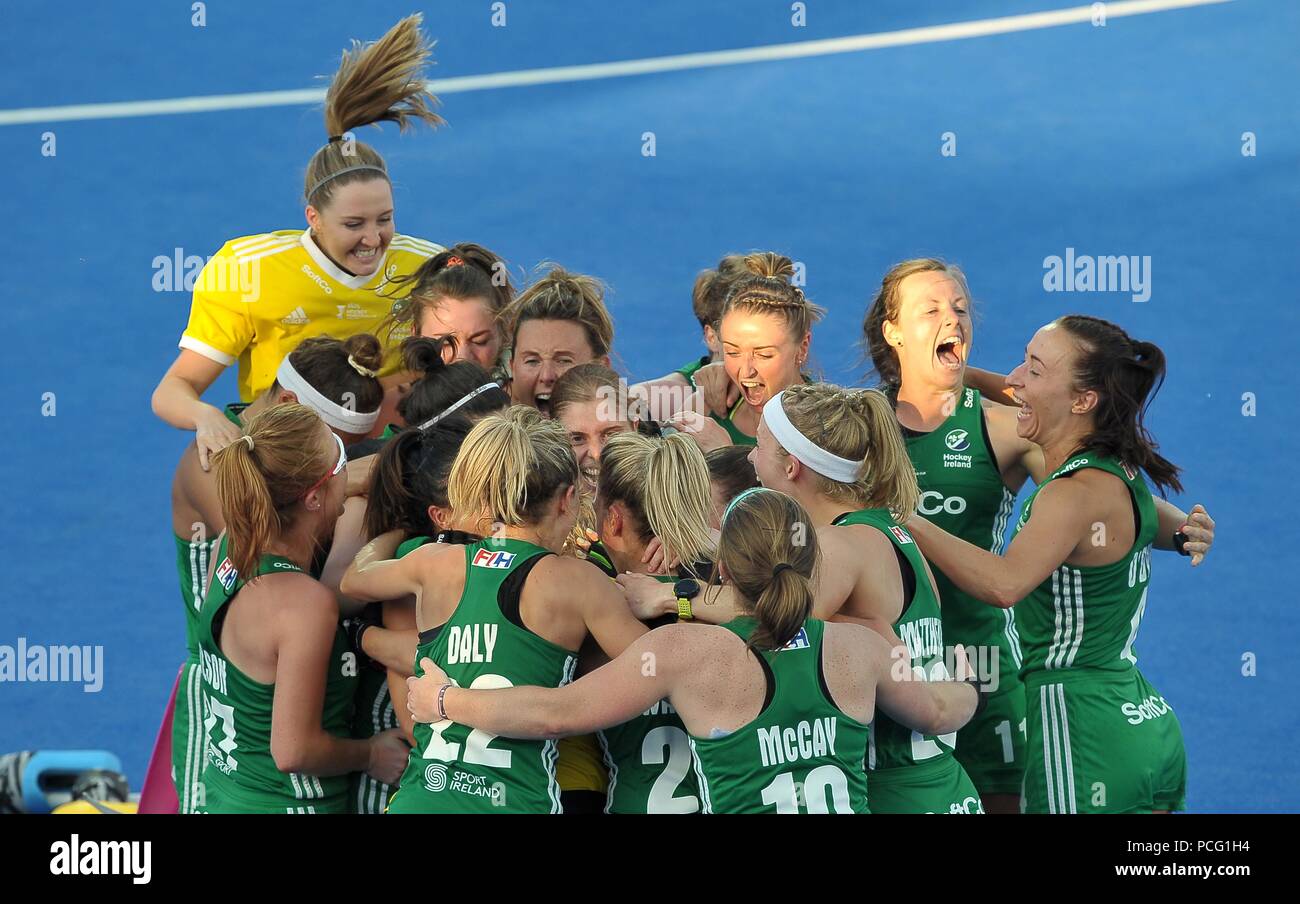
{"points": [[860, 425], [770, 552], [664, 481], [259, 484]]}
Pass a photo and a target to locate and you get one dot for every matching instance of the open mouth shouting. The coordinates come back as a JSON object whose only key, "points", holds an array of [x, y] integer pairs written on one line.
{"points": [[950, 352], [754, 392], [543, 402]]}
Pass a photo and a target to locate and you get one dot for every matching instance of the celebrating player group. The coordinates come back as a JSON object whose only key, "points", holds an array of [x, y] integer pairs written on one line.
{"points": [[441, 558]]}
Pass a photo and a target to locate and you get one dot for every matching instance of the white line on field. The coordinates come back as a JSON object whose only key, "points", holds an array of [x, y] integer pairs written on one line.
{"points": [[524, 77]]}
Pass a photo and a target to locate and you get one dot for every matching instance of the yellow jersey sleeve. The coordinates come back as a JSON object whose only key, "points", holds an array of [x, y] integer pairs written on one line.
{"points": [[221, 325]]}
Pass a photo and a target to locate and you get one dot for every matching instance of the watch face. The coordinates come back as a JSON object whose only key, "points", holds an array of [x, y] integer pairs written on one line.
{"points": [[686, 588]]}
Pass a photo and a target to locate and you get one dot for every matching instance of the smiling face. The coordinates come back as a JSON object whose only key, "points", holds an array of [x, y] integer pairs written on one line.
{"points": [[1050, 407], [355, 228], [544, 350], [932, 333], [588, 432], [760, 354], [470, 322]]}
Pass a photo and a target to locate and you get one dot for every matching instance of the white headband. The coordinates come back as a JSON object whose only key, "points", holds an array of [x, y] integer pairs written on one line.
{"points": [[801, 447], [473, 393], [332, 413]]}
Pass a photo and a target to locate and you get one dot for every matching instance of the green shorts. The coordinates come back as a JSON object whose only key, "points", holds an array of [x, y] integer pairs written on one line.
{"points": [[187, 735], [1101, 742], [372, 713], [991, 747], [939, 785], [220, 798]]}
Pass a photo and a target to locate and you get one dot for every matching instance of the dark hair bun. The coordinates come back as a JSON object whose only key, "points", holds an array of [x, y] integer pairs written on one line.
{"points": [[366, 350]]}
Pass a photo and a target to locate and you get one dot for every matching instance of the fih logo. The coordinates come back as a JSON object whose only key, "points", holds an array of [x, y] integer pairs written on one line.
{"points": [[435, 777], [957, 440], [485, 559]]}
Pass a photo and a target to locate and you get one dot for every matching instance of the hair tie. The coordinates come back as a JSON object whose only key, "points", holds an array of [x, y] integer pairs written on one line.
{"points": [[454, 262], [334, 138], [250, 441], [784, 566], [364, 371]]}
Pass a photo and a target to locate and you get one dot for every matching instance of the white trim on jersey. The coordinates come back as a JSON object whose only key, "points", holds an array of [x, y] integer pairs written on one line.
{"points": [[706, 801], [334, 272], [1013, 637], [207, 351], [611, 767], [551, 753], [551, 750], [1005, 508], [245, 249], [1078, 626], [1067, 600], [195, 740], [242, 243], [274, 249], [419, 246]]}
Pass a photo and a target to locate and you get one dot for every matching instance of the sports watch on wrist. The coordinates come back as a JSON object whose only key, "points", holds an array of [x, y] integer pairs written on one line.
{"points": [[686, 590]]}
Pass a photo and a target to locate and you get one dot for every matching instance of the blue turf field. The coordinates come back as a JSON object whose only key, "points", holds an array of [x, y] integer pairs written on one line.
{"points": [[1117, 140]]}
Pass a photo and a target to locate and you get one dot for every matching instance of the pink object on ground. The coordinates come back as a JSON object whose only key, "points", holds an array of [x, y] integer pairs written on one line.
{"points": [[159, 792]]}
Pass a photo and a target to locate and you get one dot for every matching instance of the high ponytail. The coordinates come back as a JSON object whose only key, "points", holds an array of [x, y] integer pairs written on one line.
{"points": [[1126, 374], [259, 484], [860, 425], [770, 552], [379, 82]]}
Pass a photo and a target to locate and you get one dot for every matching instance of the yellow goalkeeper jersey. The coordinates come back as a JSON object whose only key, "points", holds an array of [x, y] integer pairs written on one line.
{"points": [[260, 295]]}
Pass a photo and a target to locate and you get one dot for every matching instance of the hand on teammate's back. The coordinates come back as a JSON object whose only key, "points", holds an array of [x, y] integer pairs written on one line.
{"points": [[422, 692], [388, 755], [213, 431], [1200, 533], [646, 597]]}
